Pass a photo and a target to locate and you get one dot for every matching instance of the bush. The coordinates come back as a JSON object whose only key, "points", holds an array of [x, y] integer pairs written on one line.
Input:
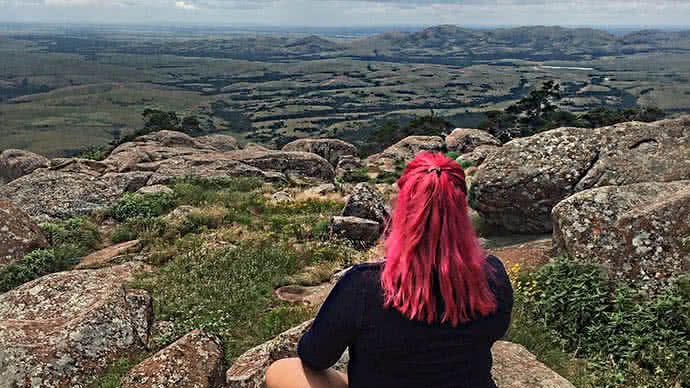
{"points": [[95, 153], [79, 233], [132, 205], [34, 265], [619, 328]]}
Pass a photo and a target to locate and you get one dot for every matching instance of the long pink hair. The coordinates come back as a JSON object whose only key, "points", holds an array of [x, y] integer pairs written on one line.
{"points": [[431, 245]]}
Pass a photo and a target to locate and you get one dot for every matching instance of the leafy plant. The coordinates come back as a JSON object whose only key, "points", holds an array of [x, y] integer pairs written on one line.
{"points": [[620, 329], [34, 265], [79, 233], [132, 205]]}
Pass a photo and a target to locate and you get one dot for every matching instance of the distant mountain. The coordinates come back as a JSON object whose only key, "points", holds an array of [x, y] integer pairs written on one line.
{"points": [[313, 44], [537, 42]]}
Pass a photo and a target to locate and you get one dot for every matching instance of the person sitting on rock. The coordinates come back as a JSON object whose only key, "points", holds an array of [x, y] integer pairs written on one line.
{"points": [[425, 317]]}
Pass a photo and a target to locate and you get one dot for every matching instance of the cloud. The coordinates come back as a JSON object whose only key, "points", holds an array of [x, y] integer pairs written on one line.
{"points": [[183, 5]]}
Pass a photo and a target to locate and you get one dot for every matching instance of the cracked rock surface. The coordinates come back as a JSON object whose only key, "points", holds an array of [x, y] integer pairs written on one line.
{"points": [[519, 185], [639, 232], [61, 330]]}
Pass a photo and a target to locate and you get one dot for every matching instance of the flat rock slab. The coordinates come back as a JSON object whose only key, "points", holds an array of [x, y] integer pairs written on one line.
{"points": [[106, 255], [61, 330], [193, 361]]}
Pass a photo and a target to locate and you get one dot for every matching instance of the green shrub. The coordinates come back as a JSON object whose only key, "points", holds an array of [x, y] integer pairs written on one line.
{"points": [[34, 265], [356, 176], [95, 153], [465, 164], [122, 233], [80, 233], [132, 205], [620, 328]]}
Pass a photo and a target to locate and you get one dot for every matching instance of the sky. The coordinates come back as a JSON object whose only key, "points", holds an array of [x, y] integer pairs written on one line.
{"points": [[339, 13]]}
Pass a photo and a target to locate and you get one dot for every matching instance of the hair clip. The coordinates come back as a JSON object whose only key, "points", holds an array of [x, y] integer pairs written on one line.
{"points": [[435, 169]]}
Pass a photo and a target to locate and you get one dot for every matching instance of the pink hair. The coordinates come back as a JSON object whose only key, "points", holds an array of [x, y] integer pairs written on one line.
{"points": [[431, 245]]}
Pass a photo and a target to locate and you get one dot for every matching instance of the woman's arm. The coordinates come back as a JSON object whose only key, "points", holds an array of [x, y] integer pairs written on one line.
{"points": [[335, 326]]}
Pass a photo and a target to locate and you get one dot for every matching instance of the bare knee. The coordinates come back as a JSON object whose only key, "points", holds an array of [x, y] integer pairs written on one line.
{"points": [[278, 373]]}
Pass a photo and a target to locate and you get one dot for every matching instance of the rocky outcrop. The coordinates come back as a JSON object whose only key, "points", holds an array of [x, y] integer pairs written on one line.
{"points": [[356, 229], [249, 370], [519, 185], [219, 142], [479, 154], [514, 366], [193, 361], [464, 140], [207, 165], [19, 234], [17, 163], [639, 232], [46, 194], [304, 164], [61, 330], [366, 202], [329, 149], [404, 151], [173, 154], [347, 166]]}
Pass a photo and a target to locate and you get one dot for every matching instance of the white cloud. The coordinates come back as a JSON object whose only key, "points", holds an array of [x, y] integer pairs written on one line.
{"points": [[183, 5]]}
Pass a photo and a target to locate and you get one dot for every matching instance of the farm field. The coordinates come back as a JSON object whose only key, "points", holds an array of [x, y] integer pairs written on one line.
{"points": [[62, 91]]}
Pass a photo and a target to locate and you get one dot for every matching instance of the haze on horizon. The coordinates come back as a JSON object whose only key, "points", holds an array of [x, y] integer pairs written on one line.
{"points": [[344, 13]]}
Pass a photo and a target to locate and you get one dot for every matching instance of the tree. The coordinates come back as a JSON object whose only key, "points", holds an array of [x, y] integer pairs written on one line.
{"points": [[156, 120], [538, 112]]}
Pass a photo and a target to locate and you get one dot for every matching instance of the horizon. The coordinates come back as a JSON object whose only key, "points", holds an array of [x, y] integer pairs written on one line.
{"points": [[340, 14]]}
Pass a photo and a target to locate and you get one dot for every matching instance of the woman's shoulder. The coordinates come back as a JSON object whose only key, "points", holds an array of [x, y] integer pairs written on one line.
{"points": [[497, 269], [362, 273], [495, 263]]}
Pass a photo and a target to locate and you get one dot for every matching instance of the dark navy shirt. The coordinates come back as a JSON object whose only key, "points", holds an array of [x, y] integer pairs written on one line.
{"points": [[389, 350]]}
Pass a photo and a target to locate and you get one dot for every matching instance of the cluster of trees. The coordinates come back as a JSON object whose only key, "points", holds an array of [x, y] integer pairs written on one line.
{"points": [[391, 132], [539, 112]]}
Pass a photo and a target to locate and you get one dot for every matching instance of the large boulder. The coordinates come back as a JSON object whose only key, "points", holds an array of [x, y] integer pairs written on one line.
{"points": [[219, 142], [347, 166], [155, 147], [518, 186], [19, 234], [514, 366], [173, 154], [479, 154], [193, 361], [207, 165], [639, 232], [303, 164], [329, 149], [358, 230], [464, 140], [17, 163], [47, 194], [366, 202], [404, 151], [63, 329]]}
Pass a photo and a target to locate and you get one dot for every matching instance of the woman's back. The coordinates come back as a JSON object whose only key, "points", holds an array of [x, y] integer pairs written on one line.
{"points": [[389, 350]]}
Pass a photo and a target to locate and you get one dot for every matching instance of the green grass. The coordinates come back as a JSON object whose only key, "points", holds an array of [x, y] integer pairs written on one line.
{"points": [[227, 288]]}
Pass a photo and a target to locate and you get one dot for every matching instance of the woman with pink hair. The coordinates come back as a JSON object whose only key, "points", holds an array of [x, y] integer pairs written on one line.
{"points": [[428, 315]]}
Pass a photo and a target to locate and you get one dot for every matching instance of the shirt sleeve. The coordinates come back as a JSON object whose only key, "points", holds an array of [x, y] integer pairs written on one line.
{"points": [[504, 297], [335, 326]]}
